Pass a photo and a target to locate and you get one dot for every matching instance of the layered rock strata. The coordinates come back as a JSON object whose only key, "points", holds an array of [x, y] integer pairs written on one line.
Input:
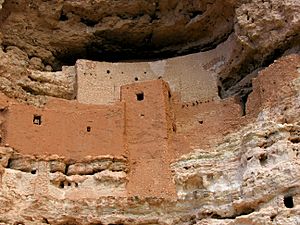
{"points": [[248, 176]]}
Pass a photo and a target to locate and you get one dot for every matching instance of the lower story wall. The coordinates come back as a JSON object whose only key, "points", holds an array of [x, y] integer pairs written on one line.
{"points": [[68, 129]]}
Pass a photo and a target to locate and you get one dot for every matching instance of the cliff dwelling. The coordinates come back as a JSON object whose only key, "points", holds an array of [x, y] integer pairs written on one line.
{"points": [[149, 112]]}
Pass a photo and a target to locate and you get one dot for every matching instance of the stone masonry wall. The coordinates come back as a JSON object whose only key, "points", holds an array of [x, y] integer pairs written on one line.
{"points": [[100, 82]]}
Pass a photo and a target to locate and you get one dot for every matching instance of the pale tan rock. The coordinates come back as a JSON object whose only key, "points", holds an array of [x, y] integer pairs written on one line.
{"points": [[57, 166], [5, 154], [1, 3], [36, 63], [80, 168], [248, 175]]}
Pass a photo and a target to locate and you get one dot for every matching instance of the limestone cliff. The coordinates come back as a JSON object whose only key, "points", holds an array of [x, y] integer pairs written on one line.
{"points": [[216, 142]]}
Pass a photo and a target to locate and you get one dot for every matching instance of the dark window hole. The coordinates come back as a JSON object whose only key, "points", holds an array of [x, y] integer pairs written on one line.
{"points": [[45, 221], [249, 158], [288, 201], [195, 14], [108, 71], [63, 17], [294, 140], [142, 115], [88, 22], [243, 103], [220, 91], [61, 184], [200, 121], [263, 159], [174, 128], [37, 119], [136, 78], [19, 223], [140, 96], [9, 163], [272, 217], [66, 169], [33, 171], [88, 129]]}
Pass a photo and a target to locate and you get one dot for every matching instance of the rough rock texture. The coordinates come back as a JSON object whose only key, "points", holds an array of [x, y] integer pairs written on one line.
{"points": [[264, 31], [21, 80], [46, 35], [250, 177], [118, 29], [245, 175]]}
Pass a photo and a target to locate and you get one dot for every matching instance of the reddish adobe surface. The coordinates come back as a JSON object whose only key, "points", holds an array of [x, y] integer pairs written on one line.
{"points": [[148, 126], [66, 128], [147, 133]]}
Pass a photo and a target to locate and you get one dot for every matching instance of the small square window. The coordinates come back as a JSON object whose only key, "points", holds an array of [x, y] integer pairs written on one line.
{"points": [[140, 96], [37, 119], [88, 129]]}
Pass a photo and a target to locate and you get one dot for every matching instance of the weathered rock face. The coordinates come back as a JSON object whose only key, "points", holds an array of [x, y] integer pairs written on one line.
{"points": [[59, 32], [264, 31], [46, 35], [250, 176], [235, 161]]}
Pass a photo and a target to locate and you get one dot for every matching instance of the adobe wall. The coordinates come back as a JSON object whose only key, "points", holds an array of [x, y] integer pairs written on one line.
{"points": [[141, 128], [147, 133], [138, 127], [202, 124], [99, 82], [66, 128], [273, 84]]}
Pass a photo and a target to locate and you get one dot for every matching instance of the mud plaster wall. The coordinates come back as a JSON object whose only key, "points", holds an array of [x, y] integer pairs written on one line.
{"points": [[99, 82], [138, 126], [202, 124], [147, 131], [68, 129], [273, 83]]}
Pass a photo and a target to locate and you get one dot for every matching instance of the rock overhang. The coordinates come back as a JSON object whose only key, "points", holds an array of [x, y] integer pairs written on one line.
{"points": [[61, 32]]}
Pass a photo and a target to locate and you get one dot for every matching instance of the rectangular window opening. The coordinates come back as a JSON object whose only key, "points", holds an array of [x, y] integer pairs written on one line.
{"points": [[88, 129], [37, 119], [140, 96]]}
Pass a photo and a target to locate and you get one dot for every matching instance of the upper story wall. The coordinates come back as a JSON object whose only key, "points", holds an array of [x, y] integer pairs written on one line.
{"points": [[100, 82]]}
